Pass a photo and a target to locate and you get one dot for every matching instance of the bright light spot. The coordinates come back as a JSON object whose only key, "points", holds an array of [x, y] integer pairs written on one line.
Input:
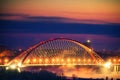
{"points": [[53, 60], [90, 50], [78, 60], [20, 50], [57, 59], [73, 60], [84, 60], [19, 70], [62, 60], [107, 65], [6, 60], [34, 60], [40, 60], [16, 60], [13, 66], [100, 61], [109, 60], [68, 60], [119, 60], [28, 61], [7, 68], [88, 41], [114, 60], [0, 60], [46, 60], [89, 60], [94, 60], [19, 64]]}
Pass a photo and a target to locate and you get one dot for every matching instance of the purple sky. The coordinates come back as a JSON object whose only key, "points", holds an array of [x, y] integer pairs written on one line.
{"points": [[25, 23]]}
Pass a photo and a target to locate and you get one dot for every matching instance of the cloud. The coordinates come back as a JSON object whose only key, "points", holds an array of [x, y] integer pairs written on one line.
{"points": [[51, 24], [30, 29], [23, 23], [65, 20], [12, 16], [55, 19]]}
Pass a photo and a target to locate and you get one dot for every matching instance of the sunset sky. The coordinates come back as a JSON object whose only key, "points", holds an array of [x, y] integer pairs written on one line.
{"points": [[24, 23]]}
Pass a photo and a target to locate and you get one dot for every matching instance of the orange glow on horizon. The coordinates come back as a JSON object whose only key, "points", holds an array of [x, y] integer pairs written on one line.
{"points": [[84, 10]]}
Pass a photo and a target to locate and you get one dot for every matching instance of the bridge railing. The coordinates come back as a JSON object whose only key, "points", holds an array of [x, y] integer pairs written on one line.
{"points": [[53, 61], [60, 61]]}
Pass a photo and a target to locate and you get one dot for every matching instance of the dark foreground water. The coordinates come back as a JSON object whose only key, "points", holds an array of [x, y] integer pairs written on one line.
{"points": [[41, 75], [77, 71]]}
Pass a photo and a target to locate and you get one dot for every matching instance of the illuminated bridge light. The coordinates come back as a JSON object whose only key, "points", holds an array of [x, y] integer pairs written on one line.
{"points": [[100, 61], [73, 60], [34, 60], [19, 64], [79, 60], [89, 60], [46, 60], [84, 60], [118, 60], [62, 60], [0, 61], [68, 60], [107, 65], [90, 50], [40, 60], [58, 51], [109, 60], [6, 61], [53, 60], [57, 59], [28, 61], [13, 66], [15, 60], [94, 61], [114, 60]]}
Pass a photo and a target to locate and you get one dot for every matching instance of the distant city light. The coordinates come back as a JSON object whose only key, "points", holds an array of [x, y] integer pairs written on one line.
{"points": [[20, 49], [88, 41]]}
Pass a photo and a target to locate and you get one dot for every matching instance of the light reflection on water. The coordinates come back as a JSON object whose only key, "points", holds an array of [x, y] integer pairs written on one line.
{"points": [[82, 72]]}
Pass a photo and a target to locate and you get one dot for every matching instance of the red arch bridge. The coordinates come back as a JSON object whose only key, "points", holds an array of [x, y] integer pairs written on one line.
{"points": [[59, 51]]}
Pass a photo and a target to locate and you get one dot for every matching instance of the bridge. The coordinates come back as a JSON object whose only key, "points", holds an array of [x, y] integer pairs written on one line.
{"points": [[59, 51]]}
